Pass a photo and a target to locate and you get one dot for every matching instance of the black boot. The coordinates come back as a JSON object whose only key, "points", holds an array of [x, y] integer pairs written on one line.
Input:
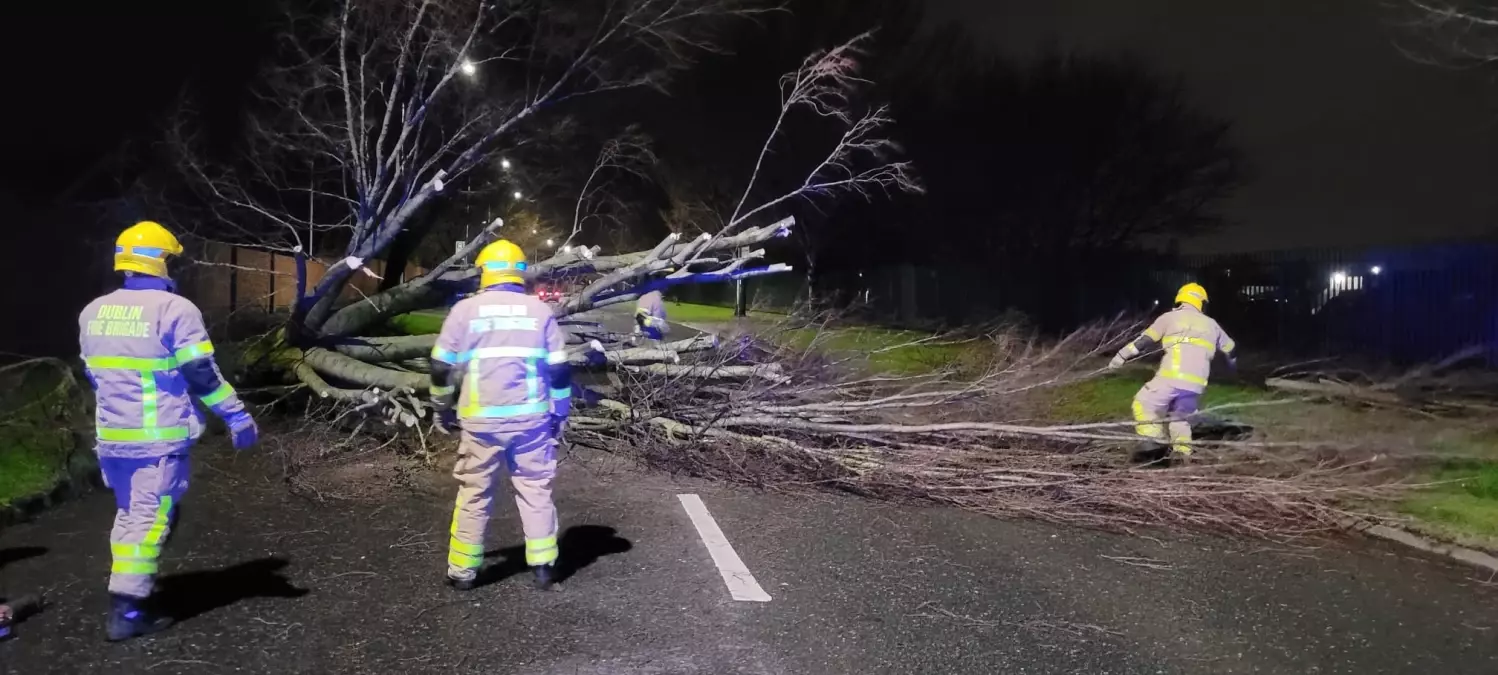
{"points": [[463, 584], [127, 619], [545, 577]]}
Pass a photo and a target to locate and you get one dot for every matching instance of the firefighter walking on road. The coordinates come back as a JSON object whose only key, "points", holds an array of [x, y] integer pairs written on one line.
{"points": [[147, 354], [1189, 339], [499, 371]]}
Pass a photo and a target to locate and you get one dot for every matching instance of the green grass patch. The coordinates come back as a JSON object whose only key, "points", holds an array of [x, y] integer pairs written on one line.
{"points": [[1464, 503], [425, 322], [687, 312], [34, 442], [1109, 397], [888, 350]]}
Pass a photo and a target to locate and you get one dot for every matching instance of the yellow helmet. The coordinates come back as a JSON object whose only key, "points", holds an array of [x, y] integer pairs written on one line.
{"points": [[144, 248], [1192, 294], [501, 262]]}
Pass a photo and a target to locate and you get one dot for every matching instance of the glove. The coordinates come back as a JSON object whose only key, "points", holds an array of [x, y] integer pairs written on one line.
{"points": [[447, 421], [1116, 363], [242, 431]]}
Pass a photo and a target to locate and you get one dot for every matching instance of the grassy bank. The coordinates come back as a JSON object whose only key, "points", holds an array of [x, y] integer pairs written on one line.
{"points": [[34, 439]]}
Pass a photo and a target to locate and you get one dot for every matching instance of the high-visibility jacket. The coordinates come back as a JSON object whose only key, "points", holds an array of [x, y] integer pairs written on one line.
{"points": [[509, 354], [147, 354], [1189, 340], [650, 314]]}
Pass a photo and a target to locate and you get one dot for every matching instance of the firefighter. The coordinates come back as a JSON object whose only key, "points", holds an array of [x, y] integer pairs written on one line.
{"points": [[1189, 339], [650, 316], [147, 354], [499, 372]]}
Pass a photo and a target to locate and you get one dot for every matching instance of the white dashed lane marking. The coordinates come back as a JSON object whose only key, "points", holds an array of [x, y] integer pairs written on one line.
{"points": [[741, 584]]}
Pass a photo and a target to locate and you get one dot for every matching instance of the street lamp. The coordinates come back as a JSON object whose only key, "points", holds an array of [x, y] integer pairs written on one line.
{"points": [[1338, 278], [504, 164], [517, 194], [468, 68], [1376, 270], [550, 242]]}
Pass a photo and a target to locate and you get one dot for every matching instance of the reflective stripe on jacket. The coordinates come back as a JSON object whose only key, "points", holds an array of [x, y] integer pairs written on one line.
{"points": [[505, 346], [134, 343], [1189, 340]]}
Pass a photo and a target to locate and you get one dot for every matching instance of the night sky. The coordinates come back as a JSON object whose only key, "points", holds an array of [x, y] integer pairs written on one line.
{"points": [[1352, 142]]}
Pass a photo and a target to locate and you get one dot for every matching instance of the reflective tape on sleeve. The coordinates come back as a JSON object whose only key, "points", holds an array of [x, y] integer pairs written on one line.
{"points": [[445, 356], [194, 351], [219, 395], [564, 392]]}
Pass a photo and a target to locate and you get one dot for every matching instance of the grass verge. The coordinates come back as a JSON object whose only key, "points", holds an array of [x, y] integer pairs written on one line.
{"points": [[34, 439]]}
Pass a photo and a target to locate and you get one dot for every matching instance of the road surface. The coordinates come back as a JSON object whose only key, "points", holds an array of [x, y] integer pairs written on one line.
{"points": [[266, 579]]}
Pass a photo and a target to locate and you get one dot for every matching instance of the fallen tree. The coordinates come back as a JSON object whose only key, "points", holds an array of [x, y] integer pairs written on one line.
{"points": [[391, 105], [961, 440]]}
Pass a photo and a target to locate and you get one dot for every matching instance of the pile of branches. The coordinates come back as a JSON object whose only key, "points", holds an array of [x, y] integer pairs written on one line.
{"points": [[942, 438]]}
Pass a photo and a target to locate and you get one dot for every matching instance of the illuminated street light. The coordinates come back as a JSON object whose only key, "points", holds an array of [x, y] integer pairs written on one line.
{"points": [[468, 68], [517, 194], [535, 230], [1339, 278], [550, 242], [504, 164], [1377, 270]]}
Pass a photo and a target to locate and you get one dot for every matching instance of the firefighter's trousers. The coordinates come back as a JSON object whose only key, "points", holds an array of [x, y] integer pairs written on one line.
{"points": [[146, 495], [530, 460], [1158, 401]]}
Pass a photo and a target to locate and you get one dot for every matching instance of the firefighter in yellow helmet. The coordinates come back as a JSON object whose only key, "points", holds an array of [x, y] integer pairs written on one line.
{"points": [[147, 355], [1189, 339], [499, 371]]}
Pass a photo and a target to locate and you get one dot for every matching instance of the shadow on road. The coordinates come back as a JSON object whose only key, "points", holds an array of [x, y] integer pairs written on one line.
{"points": [[19, 553], [579, 547], [184, 596]]}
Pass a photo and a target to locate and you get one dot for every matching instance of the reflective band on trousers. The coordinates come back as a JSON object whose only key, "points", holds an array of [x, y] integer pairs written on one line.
{"points": [[144, 435], [464, 555], [541, 551], [141, 559], [564, 392], [438, 390], [1146, 426]]}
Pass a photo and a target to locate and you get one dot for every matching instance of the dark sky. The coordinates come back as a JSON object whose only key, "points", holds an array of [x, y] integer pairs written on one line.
{"points": [[1352, 142], [77, 86]]}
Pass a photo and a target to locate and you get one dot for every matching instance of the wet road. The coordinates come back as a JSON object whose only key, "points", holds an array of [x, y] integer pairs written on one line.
{"points": [[267, 581]]}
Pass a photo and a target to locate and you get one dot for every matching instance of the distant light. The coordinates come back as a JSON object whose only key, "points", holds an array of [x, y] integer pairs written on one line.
{"points": [[1339, 278], [1377, 270], [535, 230], [550, 242], [517, 194], [468, 68]]}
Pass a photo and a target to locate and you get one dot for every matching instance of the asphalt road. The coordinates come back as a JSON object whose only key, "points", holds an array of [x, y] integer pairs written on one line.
{"points": [[267, 580]]}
